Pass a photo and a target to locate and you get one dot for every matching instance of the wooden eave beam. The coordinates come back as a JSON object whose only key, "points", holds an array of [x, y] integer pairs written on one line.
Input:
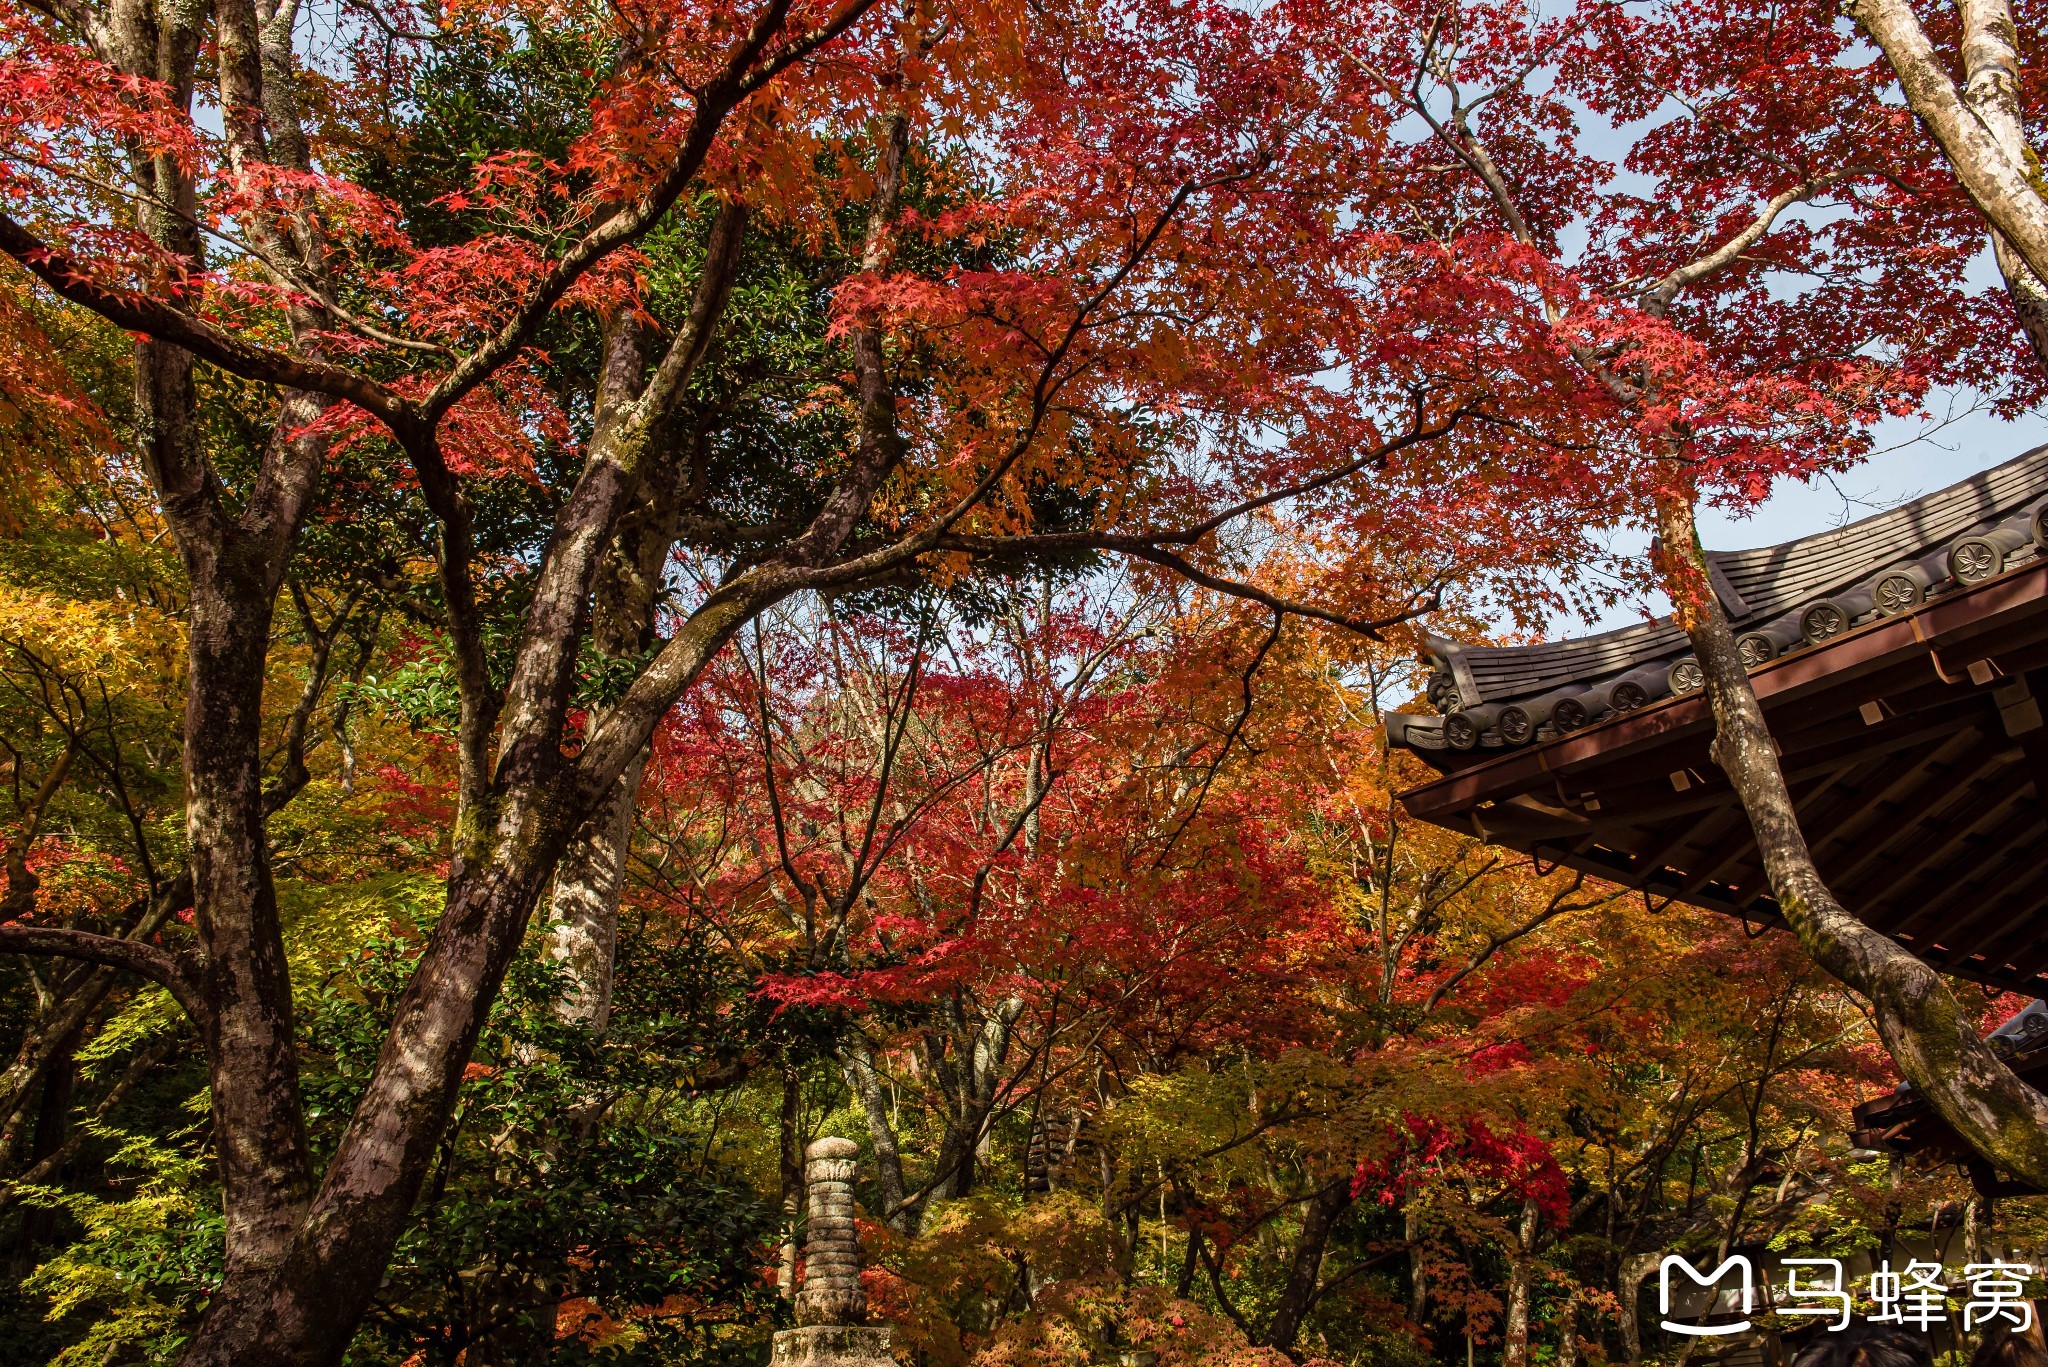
{"points": [[1852, 805], [2018, 890], [2021, 818], [1960, 798]]}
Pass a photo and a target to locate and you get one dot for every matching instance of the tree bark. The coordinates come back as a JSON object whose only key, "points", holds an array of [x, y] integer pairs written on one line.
{"points": [[1515, 1352], [583, 913], [979, 1049], [247, 1028], [1298, 1296], [858, 1064], [53, 1121], [1418, 1279], [2000, 186], [1628, 1295], [235, 564], [790, 1155], [1991, 89], [1932, 1040]]}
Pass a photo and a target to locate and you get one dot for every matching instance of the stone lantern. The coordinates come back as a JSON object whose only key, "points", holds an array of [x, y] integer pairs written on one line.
{"points": [[831, 1309]]}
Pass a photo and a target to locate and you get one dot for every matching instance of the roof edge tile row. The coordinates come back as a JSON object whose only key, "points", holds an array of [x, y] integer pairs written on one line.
{"points": [[1782, 599]]}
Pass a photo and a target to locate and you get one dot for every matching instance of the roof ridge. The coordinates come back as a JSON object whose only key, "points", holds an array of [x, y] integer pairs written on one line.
{"points": [[1781, 597]]}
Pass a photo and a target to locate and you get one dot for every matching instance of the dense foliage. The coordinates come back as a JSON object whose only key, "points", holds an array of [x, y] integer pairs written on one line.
{"points": [[591, 593], [1124, 978]]}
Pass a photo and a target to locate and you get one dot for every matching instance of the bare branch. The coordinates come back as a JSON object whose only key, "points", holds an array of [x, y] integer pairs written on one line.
{"points": [[1244, 715]]}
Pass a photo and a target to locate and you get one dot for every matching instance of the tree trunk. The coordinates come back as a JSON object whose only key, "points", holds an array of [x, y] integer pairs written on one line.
{"points": [[1037, 1152], [236, 571], [1930, 1037], [979, 1048], [1568, 1333], [303, 1308], [583, 914], [590, 878], [1628, 1295], [1991, 88], [2029, 299], [792, 1165], [858, 1064], [53, 1120], [1418, 1279], [2001, 188], [1298, 1296], [1520, 1258], [234, 562], [1184, 1284]]}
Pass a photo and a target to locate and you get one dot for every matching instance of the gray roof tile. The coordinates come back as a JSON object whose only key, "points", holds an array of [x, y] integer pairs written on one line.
{"points": [[1757, 586]]}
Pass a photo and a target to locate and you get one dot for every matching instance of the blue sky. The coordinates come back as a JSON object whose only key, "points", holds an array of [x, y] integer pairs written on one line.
{"points": [[1913, 458], [1921, 457]]}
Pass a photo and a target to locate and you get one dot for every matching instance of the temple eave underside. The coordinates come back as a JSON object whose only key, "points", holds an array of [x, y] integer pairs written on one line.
{"points": [[1914, 748]]}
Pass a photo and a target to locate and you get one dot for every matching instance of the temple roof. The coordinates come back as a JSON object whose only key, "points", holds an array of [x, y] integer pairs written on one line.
{"points": [[1782, 600]]}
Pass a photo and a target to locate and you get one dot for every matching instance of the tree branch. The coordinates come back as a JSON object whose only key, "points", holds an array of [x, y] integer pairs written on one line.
{"points": [[131, 956], [1237, 725], [1656, 300], [1558, 905], [733, 83], [62, 273], [543, 675]]}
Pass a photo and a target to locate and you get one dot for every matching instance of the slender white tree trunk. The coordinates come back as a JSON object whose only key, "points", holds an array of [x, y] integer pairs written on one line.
{"points": [[1516, 1351], [1991, 88], [583, 913]]}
